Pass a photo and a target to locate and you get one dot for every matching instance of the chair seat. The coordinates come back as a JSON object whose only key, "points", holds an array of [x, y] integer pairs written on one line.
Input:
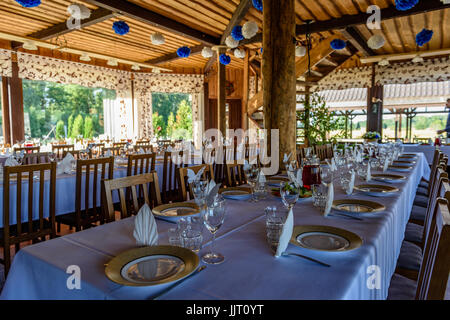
{"points": [[424, 184], [414, 233], [421, 191], [402, 288], [410, 257], [418, 213], [421, 201]]}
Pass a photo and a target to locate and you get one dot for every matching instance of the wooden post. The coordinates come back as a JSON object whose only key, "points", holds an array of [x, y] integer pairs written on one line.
{"points": [[307, 115], [221, 95], [375, 106], [5, 111], [245, 94], [278, 69]]}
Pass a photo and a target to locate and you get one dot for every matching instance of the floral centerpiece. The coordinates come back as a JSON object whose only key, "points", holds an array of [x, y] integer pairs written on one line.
{"points": [[372, 136]]}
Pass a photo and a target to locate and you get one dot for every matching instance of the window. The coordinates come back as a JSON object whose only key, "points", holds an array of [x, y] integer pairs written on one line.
{"points": [[62, 110]]}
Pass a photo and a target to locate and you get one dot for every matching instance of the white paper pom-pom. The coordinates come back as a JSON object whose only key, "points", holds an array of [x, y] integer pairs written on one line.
{"points": [[250, 29], [157, 39], [300, 51], [239, 53], [384, 63], [376, 41], [207, 52], [231, 43], [79, 11]]}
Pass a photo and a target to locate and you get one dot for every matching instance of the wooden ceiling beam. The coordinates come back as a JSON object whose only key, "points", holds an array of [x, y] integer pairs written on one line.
{"points": [[355, 37], [174, 56], [144, 15]]}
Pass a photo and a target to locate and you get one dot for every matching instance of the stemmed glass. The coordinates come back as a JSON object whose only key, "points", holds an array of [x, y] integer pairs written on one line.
{"points": [[214, 217], [199, 192], [289, 194], [251, 174]]}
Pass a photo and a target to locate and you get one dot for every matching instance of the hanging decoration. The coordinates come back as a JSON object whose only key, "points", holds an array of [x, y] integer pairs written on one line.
{"points": [[384, 63], [239, 53], [250, 29], [29, 45], [85, 57], [29, 3], [207, 52], [308, 45], [224, 59], [423, 37], [136, 67], [236, 33], [157, 39], [79, 11], [121, 28], [417, 59], [183, 52], [404, 5], [338, 44], [112, 62], [231, 43], [258, 5], [300, 51], [376, 41]]}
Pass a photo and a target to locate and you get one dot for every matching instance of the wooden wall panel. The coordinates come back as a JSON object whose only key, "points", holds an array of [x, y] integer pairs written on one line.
{"points": [[235, 77]]}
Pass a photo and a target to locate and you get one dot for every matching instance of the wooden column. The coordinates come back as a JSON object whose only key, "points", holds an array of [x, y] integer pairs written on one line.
{"points": [[278, 69], [5, 111], [245, 94], [221, 94], [375, 106], [307, 115], [15, 92]]}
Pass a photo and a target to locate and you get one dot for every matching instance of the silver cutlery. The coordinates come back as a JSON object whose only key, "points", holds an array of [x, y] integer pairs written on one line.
{"points": [[159, 295], [286, 254]]}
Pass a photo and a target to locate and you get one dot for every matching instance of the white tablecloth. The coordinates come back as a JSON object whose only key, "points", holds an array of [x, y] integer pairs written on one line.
{"points": [[427, 150], [249, 272]]}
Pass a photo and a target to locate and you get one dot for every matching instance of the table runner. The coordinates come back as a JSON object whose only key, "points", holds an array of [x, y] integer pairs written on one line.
{"points": [[249, 271]]}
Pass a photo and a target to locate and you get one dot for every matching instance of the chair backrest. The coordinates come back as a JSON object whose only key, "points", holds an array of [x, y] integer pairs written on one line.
{"points": [[435, 267], [28, 181], [120, 145], [35, 158], [76, 154], [321, 152], [436, 160], [141, 163], [100, 169], [145, 147], [142, 142], [96, 149], [183, 183], [27, 149], [133, 182], [59, 149], [115, 151], [173, 160], [234, 174]]}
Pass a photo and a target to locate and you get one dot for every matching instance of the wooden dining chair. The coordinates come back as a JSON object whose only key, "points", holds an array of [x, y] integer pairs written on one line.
{"points": [[115, 151], [171, 163], [234, 174], [59, 149], [143, 184], [434, 271], [147, 148], [89, 175], [96, 149], [142, 142], [183, 183], [76, 154], [36, 158], [141, 163], [321, 152], [119, 145], [27, 149], [25, 191]]}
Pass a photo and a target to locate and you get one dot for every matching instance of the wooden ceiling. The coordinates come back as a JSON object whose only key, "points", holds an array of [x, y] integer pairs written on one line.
{"points": [[210, 19]]}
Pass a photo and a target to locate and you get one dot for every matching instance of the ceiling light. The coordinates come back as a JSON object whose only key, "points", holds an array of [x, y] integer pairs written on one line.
{"points": [[112, 63], [29, 45], [383, 63], [417, 59], [85, 57], [135, 67]]}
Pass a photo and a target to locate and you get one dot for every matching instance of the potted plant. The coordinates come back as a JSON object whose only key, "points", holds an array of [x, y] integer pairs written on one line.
{"points": [[371, 137]]}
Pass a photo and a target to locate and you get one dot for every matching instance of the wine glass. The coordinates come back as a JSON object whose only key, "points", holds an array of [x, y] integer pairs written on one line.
{"points": [[289, 194], [199, 191], [251, 174], [326, 175], [213, 218]]}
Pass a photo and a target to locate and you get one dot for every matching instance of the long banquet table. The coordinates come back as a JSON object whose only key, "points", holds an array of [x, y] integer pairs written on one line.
{"points": [[250, 271], [427, 150]]}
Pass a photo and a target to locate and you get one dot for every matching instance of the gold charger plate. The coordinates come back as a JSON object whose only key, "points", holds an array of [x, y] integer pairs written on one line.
{"points": [[357, 206], [236, 193], [376, 190], [173, 211], [149, 266], [325, 238], [275, 181], [400, 168], [404, 162], [391, 178]]}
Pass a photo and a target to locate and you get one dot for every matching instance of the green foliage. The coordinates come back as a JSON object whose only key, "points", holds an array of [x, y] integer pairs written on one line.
{"points": [[78, 127], [159, 127], [322, 121], [88, 128], [60, 134], [167, 103]]}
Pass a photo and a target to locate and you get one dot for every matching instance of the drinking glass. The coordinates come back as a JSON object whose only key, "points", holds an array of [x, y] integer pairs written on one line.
{"points": [[175, 237], [192, 239], [251, 175], [326, 175], [345, 184], [260, 190], [84, 155], [318, 191], [214, 217], [199, 192], [275, 220], [289, 194]]}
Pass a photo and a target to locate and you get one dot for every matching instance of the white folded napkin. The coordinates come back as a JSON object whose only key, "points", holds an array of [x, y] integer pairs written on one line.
{"points": [[141, 151], [65, 166], [330, 199], [261, 177], [358, 157], [210, 198], [11, 162], [286, 234], [287, 157], [352, 181], [145, 230], [296, 179], [386, 165], [108, 153], [192, 176], [369, 175], [210, 186]]}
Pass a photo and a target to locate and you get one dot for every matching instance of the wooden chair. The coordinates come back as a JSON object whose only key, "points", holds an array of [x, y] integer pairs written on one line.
{"points": [[36, 158], [141, 163], [234, 174], [39, 223], [76, 154], [60, 149], [89, 175], [435, 267], [148, 148], [127, 207], [115, 151], [96, 149], [170, 186], [330, 152], [27, 149], [119, 145], [182, 179], [142, 142], [321, 152]]}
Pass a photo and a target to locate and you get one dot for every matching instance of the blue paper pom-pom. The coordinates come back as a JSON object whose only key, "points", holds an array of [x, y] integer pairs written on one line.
{"points": [[236, 33], [121, 27], [423, 37], [404, 5], [338, 44], [183, 52], [258, 5], [224, 59], [29, 3]]}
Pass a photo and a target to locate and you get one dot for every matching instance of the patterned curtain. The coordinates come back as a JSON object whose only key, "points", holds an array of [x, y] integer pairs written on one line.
{"points": [[346, 79], [5, 63]]}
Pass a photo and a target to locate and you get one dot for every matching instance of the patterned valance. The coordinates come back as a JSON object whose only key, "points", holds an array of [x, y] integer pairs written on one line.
{"points": [[5, 63], [431, 70], [35, 67], [346, 79], [169, 83]]}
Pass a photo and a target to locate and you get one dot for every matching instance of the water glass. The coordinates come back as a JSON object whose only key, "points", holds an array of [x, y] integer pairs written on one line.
{"points": [[318, 191], [192, 239], [214, 217], [260, 191], [289, 194], [52, 157], [345, 184], [175, 237], [275, 220]]}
